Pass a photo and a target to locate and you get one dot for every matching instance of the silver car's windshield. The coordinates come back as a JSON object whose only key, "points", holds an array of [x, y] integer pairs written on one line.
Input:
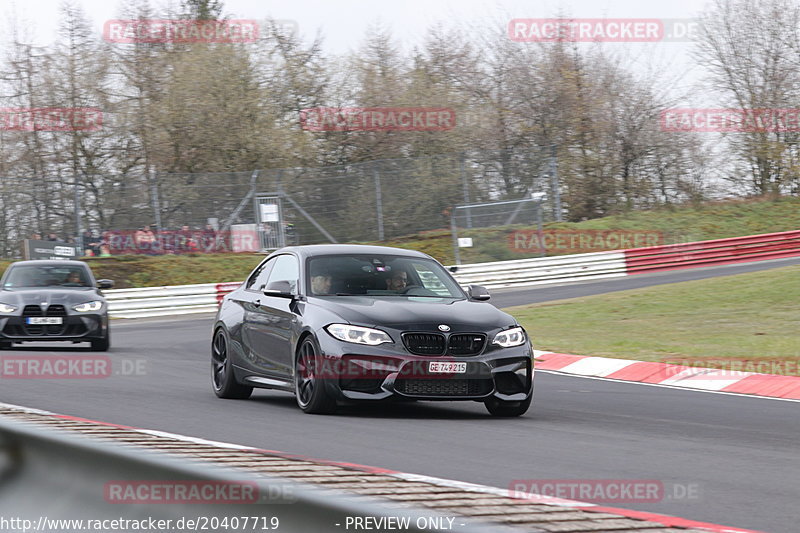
{"points": [[379, 275], [47, 276]]}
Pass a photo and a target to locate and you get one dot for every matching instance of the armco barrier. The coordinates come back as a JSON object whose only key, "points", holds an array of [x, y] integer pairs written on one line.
{"points": [[183, 299], [562, 269], [49, 476], [712, 253], [168, 300]]}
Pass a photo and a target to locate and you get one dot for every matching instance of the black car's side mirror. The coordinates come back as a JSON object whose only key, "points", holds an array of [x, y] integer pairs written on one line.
{"points": [[105, 283], [282, 289], [476, 292]]}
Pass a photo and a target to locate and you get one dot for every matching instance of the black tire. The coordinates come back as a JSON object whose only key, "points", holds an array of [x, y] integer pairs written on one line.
{"points": [[103, 343], [309, 389], [503, 408], [5, 345], [222, 379]]}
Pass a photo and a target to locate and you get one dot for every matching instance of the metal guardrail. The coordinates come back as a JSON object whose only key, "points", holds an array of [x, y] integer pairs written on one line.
{"points": [[47, 476], [544, 270], [184, 299], [167, 301]]}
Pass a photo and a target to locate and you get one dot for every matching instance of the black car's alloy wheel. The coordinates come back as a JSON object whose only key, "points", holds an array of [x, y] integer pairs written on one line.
{"points": [[505, 408], [222, 378], [309, 389]]}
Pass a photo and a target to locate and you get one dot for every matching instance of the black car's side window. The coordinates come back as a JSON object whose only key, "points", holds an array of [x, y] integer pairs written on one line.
{"points": [[286, 269], [258, 279]]}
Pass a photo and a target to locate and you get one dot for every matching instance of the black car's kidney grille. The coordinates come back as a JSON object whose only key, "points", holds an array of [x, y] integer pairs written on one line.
{"points": [[43, 329], [425, 343], [32, 310], [444, 387], [438, 344], [56, 310], [466, 343]]}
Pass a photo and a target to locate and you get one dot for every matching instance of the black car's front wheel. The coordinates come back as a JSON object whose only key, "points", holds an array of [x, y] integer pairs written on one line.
{"points": [[222, 378], [103, 343], [506, 408], [309, 387]]}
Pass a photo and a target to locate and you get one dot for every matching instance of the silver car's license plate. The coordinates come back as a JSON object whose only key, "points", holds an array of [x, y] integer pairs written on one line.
{"points": [[438, 367], [45, 320]]}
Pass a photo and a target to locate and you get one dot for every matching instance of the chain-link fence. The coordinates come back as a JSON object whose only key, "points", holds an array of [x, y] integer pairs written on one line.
{"points": [[360, 202]]}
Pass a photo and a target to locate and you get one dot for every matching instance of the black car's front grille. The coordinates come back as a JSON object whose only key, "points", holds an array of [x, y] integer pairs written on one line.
{"points": [[32, 310], [438, 344], [466, 343], [56, 310], [425, 343], [44, 330], [444, 387]]}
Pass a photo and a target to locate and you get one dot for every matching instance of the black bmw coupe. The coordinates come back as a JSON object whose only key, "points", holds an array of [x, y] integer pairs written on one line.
{"points": [[53, 301], [336, 322]]}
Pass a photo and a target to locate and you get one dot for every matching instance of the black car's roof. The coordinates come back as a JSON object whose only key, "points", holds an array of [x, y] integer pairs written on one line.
{"points": [[313, 250], [49, 262]]}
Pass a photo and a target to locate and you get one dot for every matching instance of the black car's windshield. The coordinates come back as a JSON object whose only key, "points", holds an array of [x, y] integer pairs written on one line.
{"points": [[379, 275], [47, 276]]}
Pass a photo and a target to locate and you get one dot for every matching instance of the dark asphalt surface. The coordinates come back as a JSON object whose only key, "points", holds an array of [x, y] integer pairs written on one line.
{"points": [[736, 457]]}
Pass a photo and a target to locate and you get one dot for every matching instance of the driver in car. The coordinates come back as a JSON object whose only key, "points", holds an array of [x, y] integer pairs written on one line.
{"points": [[74, 278], [398, 281], [321, 282]]}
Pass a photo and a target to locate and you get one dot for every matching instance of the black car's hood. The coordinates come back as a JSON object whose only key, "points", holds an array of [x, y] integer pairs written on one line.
{"points": [[412, 313], [50, 295]]}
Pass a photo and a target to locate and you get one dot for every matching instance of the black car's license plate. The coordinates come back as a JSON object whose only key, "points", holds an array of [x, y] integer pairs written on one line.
{"points": [[438, 367], [44, 320]]}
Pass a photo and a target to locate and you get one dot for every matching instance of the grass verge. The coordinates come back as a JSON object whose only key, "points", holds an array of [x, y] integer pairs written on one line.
{"points": [[745, 317]]}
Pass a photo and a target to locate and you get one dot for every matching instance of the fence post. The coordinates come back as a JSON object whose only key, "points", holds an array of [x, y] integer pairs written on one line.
{"points": [[78, 223], [554, 183], [466, 188], [378, 199], [154, 198], [454, 233]]}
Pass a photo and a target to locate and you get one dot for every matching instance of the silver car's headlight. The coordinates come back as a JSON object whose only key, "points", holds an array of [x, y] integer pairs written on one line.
{"points": [[510, 337], [358, 334], [5, 308], [88, 306]]}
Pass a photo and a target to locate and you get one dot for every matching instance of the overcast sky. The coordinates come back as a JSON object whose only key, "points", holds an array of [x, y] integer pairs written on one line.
{"points": [[342, 22]]}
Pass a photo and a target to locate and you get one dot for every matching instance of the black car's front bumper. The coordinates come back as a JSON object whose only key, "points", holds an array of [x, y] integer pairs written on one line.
{"points": [[359, 372], [75, 327]]}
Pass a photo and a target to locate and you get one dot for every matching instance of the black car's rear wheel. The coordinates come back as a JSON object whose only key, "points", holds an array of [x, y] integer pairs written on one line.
{"points": [[222, 378], [505, 408], [309, 387]]}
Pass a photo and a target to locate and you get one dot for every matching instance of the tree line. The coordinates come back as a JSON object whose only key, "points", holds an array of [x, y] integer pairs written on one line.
{"points": [[175, 111]]}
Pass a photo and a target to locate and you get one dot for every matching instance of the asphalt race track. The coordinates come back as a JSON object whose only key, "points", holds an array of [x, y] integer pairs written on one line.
{"points": [[737, 457]]}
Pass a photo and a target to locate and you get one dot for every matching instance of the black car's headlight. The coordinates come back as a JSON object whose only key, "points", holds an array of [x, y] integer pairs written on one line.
{"points": [[88, 307], [510, 337], [358, 334], [5, 309]]}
